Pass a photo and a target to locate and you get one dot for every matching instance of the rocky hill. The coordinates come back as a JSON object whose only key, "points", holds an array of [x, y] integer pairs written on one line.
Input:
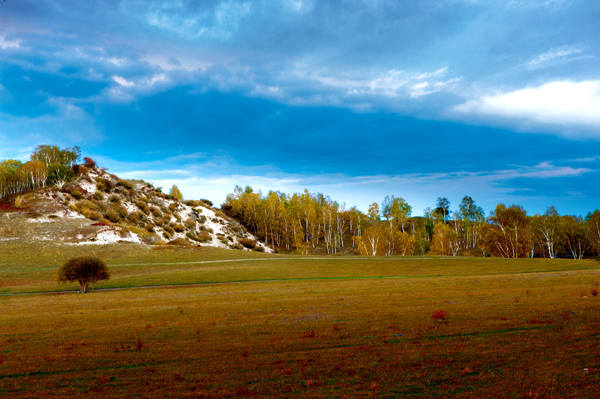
{"points": [[99, 208]]}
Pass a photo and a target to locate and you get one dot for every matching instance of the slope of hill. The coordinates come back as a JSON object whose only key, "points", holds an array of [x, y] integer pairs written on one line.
{"points": [[99, 208]]}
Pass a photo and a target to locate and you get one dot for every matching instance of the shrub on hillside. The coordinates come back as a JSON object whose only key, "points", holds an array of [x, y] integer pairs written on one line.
{"points": [[115, 199], [91, 214], [143, 205], [248, 243], [112, 215], [75, 193], [104, 185], [149, 227], [180, 242], [125, 183], [155, 212], [190, 223], [202, 236], [115, 213], [136, 217], [98, 196], [89, 162], [237, 245], [86, 204], [84, 270], [80, 170], [179, 228]]}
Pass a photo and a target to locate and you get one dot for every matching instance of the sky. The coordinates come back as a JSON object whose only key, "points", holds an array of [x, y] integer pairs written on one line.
{"points": [[357, 99]]}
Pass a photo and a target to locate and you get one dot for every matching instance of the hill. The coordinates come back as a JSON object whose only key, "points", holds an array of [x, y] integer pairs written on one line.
{"points": [[97, 207]]}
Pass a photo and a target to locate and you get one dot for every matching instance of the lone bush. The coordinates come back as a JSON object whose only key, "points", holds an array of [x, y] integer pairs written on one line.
{"points": [[84, 270]]}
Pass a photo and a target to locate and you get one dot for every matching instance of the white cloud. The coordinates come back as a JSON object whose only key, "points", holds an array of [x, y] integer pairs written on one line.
{"points": [[393, 83], [123, 82], [6, 44], [116, 61], [587, 159], [564, 104], [558, 55]]}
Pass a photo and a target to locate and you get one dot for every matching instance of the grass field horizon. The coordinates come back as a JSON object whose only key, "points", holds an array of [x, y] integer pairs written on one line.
{"points": [[261, 325]]}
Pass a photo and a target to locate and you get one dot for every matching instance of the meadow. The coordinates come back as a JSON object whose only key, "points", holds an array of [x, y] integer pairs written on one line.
{"points": [[222, 323]]}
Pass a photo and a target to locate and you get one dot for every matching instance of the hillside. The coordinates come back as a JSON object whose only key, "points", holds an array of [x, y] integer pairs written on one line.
{"points": [[100, 208]]}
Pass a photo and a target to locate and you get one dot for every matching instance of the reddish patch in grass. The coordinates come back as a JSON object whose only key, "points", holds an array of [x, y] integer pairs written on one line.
{"points": [[99, 224], [97, 389], [310, 334], [139, 345], [245, 392], [440, 315], [538, 321], [595, 292], [246, 353], [336, 327]]}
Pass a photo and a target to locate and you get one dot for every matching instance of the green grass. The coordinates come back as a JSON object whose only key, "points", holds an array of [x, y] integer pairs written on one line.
{"points": [[26, 268]]}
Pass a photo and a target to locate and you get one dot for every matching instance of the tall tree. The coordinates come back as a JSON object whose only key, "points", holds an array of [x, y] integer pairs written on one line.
{"points": [[176, 193], [507, 235], [443, 208], [593, 228], [373, 212], [445, 240], [574, 236], [545, 231]]}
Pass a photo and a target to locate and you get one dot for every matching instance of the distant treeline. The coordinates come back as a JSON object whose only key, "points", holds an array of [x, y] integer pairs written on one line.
{"points": [[313, 223]]}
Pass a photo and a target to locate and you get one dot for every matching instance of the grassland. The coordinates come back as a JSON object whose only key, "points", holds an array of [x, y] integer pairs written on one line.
{"points": [[281, 326]]}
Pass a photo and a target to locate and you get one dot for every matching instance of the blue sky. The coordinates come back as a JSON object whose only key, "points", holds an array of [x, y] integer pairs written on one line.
{"points": [[497, 99]]}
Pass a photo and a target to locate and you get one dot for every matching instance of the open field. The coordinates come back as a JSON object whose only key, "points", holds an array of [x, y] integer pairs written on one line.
{"points": [[275, 326]]}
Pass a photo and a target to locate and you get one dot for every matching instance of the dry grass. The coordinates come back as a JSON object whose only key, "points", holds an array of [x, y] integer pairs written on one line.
{"points": [[322, 328]]}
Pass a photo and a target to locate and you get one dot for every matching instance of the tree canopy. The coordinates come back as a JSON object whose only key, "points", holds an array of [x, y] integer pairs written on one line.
{"points": [[84, 270]]}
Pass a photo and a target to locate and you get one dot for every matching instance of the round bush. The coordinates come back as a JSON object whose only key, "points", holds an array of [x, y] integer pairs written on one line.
{"points": [[84, 270]]}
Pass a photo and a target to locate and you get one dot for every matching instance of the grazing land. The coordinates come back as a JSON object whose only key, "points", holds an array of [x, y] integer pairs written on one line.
{"points": [[222, 323]]}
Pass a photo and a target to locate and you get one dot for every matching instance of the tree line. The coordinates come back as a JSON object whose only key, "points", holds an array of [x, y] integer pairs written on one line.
{"points": [[48, 165], [314, 223]]}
